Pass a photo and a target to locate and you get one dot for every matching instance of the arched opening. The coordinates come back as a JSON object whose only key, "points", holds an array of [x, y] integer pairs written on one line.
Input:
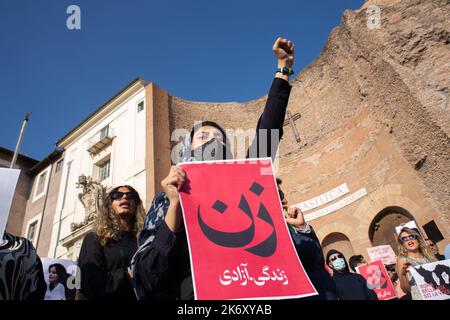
{"points": [[382, 228], [338, 241]]}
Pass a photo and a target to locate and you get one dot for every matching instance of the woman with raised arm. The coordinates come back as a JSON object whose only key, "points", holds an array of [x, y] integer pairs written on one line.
{"points": [[161, 266]]}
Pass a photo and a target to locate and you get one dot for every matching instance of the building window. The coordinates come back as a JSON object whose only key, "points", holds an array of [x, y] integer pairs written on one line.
{"points": [[59, 165], [104, 132], [104, 170], [41, 184], [32, 228], [42, 179], [140, 106]]}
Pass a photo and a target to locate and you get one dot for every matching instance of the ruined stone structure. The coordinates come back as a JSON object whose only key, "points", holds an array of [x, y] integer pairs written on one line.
{"points": [[372, 112]]}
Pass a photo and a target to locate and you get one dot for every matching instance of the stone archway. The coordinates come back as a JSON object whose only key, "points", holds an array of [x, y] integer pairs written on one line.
{"points": [[382, 227], [387, 196], [338, 241]]}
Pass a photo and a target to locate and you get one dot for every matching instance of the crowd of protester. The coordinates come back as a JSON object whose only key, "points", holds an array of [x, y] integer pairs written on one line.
{"points": [[133, 255]]}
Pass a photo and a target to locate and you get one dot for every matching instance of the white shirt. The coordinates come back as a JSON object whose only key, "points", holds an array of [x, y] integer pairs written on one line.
{"points": [[58, 293]]}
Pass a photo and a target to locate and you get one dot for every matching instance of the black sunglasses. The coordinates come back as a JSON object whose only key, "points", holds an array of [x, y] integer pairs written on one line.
{"points": [[131, 195], [335, 257], [407, 238]]}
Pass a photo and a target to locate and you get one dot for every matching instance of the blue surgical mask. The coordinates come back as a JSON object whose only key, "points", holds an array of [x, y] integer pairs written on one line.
{"points": [[339, 264]]}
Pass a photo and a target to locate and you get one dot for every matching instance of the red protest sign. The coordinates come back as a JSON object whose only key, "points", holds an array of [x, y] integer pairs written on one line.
{"points": [[378, 279], [239, 243]]}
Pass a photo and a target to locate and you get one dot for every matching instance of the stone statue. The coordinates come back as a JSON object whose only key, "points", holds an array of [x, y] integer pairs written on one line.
{"points": [[91, 198]]}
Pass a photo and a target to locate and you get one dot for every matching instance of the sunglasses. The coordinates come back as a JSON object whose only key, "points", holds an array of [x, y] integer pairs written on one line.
{"points": [[336, 257], [407, 238], [131, 195]]}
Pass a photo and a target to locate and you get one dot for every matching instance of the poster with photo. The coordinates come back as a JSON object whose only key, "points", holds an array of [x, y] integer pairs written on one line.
{"points": [[62, 277], [378, 279]]}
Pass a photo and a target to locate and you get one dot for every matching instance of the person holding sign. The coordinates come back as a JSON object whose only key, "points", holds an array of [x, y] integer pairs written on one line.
{"points": [[308, 250], [412, 251], [161, 267], [349, 286]]}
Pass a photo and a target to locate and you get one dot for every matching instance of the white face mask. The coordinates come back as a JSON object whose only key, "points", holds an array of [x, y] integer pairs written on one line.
{"points": [[339, 264]]}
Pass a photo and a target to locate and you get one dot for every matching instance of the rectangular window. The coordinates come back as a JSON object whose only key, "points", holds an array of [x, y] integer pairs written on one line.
{"points": [[59, 165], [32, 231], [140, 106], [103, 170], [42, 179], [40, 184]]}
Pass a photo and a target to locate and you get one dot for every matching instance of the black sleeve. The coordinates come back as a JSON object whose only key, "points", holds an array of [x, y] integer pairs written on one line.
{"points": [[308, 247], [154, 260], [41, 285], [269, 129], [97, 282]]}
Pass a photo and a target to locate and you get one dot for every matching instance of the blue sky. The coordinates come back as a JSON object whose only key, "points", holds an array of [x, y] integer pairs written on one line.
{"points": [[205, 50]]}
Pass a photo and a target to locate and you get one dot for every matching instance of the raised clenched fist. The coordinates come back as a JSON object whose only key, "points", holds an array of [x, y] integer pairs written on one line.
{"points": [[294, 216], [284, 50]]}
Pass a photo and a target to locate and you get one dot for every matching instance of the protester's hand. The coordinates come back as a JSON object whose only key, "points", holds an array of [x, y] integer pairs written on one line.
{"points": [[402, 267], [284, 50], [173, 183], [294, 216]]}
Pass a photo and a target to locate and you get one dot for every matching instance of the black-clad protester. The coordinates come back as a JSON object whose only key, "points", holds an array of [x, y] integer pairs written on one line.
{"points": [[349, 286], [161, 267], [106, 253], [308, 250], [21, 273]]}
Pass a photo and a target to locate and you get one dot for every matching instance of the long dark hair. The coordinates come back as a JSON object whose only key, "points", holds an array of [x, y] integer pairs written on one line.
{"points": [[108, 223], [61, 272], [62, 278]]}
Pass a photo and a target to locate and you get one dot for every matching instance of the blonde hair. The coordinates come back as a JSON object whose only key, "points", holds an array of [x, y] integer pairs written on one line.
{"points": [[108, 225], [424, 249]]}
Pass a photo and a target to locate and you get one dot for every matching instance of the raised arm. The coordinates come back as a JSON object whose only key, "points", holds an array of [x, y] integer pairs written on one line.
{"points": [[269, 129]]}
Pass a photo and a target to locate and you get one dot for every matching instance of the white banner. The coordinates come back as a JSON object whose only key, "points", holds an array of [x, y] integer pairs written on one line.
{"points": [[410, 224], [385, 253], [336, 206], [8, 182], [323, 198]]}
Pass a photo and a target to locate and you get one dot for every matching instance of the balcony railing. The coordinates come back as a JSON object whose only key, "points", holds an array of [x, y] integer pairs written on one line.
{"points": [[100, 140]]}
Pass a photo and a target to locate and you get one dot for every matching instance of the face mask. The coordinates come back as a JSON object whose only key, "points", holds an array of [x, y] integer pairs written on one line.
{"points": [[338, 264], [211, 150]]}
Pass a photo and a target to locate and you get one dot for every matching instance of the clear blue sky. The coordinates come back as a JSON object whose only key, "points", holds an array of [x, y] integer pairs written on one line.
{"points": [[205, 50]]}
